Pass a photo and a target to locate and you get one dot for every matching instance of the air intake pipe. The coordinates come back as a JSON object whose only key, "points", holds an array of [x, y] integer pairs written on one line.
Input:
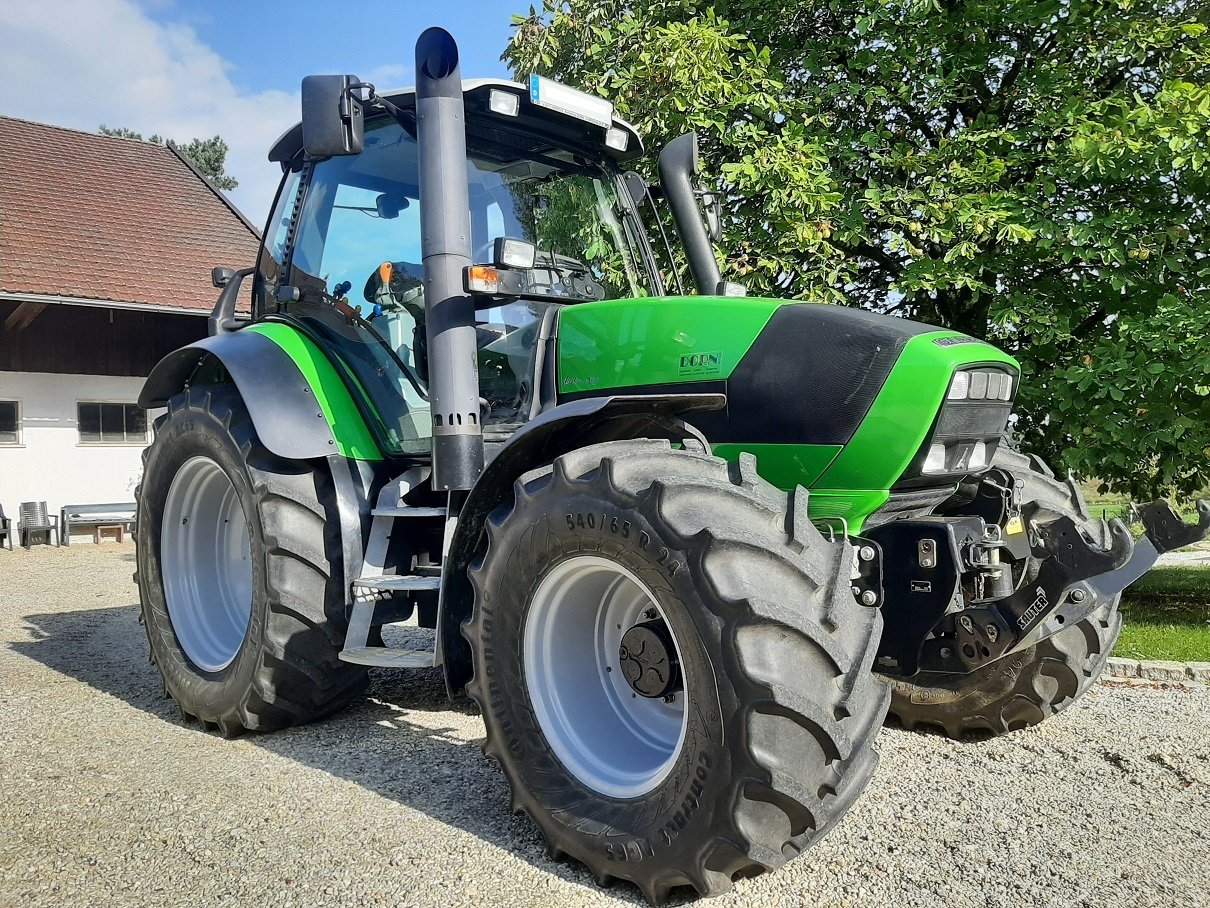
{"points": [[445, 250], [678, 167]]}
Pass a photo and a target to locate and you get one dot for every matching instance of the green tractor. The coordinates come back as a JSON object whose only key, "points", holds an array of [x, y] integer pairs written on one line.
{"points": [[684, 551]]}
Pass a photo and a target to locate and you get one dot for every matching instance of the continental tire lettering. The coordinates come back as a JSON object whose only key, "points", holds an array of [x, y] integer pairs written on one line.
{"points": [[629, 851], [689, 803]]}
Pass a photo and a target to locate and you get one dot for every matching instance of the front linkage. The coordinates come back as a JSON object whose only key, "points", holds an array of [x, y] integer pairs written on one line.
{"points": [[972, 588]]}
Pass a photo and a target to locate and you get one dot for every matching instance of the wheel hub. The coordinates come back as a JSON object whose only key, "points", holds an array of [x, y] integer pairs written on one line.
{"points": [[206, 564], [648, 660], [610, 738]]}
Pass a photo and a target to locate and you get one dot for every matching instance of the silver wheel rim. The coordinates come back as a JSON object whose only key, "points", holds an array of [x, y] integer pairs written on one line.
{"points": [[613, 740], [206, 564]]}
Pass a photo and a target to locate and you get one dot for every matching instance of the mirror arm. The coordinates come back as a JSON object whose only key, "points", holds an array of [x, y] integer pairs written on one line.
{"points": [[222, 319], [404, 118]]}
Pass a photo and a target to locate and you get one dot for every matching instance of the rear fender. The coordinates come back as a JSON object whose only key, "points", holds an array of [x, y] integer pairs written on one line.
{"points": [[559, 430]]}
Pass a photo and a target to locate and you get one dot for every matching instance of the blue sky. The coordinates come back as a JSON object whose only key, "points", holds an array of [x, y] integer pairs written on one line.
{"points": [[323, 36], [187, 68]]}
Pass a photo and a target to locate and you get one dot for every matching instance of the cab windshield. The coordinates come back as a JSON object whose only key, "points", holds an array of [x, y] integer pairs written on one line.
{"points": [[364, 209], [356, 263]]}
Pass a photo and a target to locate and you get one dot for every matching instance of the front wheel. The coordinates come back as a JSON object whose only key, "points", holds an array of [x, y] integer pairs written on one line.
{"points": [[1024, 688], [239, 572], [674, 674]]}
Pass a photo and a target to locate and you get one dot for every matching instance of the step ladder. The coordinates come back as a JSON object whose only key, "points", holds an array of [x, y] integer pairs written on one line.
{"points": [[373, 578]]}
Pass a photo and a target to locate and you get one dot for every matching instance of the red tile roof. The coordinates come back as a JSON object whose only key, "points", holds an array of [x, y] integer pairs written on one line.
{"points": [[103, 218]]}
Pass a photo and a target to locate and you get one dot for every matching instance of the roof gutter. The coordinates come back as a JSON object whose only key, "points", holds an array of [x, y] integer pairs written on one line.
{"points": [[100, 304]]}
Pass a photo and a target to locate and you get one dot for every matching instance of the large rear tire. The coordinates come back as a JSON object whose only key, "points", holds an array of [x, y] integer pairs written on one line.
{"points": [[1024, 688], [768, 738], [239, 572]]}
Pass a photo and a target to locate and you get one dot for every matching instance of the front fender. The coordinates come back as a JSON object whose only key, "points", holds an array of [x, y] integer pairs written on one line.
{"points": [[556, 431], [298, 403]]}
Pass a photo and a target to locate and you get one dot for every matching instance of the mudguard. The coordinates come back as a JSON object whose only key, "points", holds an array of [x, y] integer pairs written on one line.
{"points": [[556, 431], [287, 411]]}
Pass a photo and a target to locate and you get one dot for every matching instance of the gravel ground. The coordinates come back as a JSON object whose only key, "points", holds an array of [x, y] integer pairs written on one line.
{"points": [[107, 799]]}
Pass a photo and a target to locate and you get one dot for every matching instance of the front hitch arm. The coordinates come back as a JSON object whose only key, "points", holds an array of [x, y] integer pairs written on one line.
{"points": [[1164, 531], [1074, 577]]}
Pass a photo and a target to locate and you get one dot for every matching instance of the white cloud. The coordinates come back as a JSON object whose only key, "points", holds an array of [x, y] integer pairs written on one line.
{"points": [[389, 75], [81, 64]]}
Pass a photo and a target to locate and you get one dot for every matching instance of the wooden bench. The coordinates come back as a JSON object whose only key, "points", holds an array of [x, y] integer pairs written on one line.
{"points": [[96, 517]]}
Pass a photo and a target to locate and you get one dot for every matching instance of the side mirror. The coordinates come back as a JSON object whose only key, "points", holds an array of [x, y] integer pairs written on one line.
{"points": [[332, 117], [389, 206], [713, 215], [220, 277]]}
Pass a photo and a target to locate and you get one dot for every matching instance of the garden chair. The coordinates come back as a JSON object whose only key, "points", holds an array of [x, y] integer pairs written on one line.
{"points": [[6, 530], [36, 520]]}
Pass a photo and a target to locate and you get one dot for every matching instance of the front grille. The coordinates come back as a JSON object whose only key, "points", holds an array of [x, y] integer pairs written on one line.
{"points": [[972, 419]]}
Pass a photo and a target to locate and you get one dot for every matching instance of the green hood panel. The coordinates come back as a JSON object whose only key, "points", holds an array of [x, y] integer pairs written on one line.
{"points": [[655, 341]]}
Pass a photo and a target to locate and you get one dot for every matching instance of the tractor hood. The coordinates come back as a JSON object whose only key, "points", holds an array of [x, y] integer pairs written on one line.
{"points": [[828, 397]]}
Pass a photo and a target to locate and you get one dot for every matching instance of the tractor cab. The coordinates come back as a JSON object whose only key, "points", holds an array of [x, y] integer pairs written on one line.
{"points": [[551, 223]]}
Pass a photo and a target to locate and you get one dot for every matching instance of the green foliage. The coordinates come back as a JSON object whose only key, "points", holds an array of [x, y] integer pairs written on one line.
{"points": [[575, 219], [1035, 172], [209, 156], [1166, 615]]}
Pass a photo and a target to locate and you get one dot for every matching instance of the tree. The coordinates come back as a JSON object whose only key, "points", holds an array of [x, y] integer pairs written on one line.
{"points": [[209, 156], [1034, 172]]}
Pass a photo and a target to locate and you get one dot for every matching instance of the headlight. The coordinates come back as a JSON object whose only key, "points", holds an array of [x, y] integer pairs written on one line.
{"points": [[968, 428], [981, 384]]}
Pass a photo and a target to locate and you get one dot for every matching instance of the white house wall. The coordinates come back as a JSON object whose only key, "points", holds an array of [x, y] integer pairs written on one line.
{"points": [[50, 463]]}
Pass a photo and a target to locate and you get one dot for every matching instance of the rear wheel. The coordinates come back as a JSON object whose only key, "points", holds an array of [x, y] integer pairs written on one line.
{"points": [[1024, 688], [674, 674], [239, 572]]}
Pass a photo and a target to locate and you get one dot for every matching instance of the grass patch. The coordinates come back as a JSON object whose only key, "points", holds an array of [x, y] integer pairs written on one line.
{"points": [[1166, 615]]}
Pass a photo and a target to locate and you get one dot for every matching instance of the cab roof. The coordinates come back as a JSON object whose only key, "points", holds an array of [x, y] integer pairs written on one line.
{"points": [[552, 128]]}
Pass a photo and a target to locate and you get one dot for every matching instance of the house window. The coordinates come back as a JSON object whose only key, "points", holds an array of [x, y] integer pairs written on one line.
{"points": [[10, 422], [111, 424]]}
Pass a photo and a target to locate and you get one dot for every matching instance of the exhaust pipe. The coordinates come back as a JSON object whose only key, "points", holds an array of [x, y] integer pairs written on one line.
{"points": [[445, 244], [677, 167]]}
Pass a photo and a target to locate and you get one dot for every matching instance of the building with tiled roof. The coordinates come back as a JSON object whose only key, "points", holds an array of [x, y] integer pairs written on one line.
{"points": [[106, 247]]}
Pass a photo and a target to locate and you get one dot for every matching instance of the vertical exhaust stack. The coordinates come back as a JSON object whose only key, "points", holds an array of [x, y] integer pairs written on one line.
{"points": [[445, 243], [678, 166]]}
